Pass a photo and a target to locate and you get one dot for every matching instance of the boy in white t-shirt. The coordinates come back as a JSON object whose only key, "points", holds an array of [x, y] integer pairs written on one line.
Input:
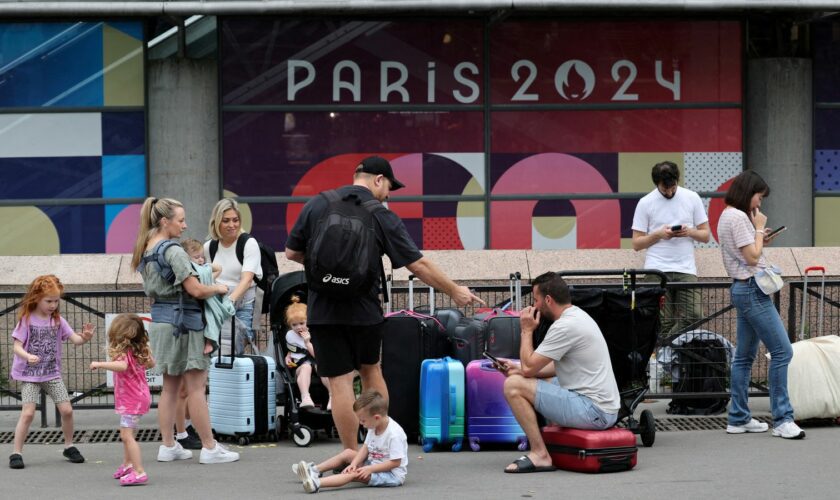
{"points": [[381, 461]]}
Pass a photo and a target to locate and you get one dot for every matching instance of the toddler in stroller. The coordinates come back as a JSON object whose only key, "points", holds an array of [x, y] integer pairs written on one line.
{"points": [[289, 291], [300, 355]]}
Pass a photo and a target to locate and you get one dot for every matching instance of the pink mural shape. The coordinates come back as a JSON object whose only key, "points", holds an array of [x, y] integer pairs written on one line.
{"points": [[122, 233], [598, 221]]}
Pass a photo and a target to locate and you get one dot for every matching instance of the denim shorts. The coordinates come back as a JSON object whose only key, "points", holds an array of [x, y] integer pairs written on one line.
{"points": [[384, 479], [569, 408]]}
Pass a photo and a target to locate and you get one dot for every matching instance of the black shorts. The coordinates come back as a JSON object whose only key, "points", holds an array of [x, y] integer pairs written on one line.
{"points": [[340, 349]]}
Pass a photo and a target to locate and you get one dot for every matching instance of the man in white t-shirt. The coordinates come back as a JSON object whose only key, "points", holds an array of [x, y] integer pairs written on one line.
{"points": [[568, 378], [667, 222]]}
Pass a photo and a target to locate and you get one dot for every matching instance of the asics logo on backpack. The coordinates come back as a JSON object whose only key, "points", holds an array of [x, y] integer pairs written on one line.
{"points": [[335, 280]]}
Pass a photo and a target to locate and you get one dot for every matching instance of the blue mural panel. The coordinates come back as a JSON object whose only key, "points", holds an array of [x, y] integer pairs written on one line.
{"points": [[51, 64], [123, 133]]}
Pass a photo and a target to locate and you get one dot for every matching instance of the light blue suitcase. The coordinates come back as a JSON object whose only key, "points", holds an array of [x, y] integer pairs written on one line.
{"points": [[242, 399], [442, 403]]}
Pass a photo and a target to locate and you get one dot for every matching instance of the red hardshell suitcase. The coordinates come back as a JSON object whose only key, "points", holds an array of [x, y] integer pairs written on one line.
{"points": [[581, 450]]}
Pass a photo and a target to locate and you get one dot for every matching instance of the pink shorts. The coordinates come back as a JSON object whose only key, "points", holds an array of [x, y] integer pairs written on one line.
{"points": [[129, 421]]}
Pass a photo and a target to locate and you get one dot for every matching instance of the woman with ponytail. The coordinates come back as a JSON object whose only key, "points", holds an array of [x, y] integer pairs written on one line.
{"points": [[176, 332]]}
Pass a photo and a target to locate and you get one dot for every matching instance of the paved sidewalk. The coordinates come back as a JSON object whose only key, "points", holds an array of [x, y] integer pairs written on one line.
{"points": [[697, 464]]}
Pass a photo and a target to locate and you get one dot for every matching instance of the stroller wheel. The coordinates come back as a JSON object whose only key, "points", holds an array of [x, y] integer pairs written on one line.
{"points": [[302, 436], [647, 428], [361, 435]]}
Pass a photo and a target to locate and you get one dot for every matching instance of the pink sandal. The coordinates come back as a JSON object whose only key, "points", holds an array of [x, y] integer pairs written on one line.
{"points": [[123, 470], [132, 479]]}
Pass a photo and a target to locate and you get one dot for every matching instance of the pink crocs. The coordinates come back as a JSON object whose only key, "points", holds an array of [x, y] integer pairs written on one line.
{"points": [[132, 479], [123, 470]]}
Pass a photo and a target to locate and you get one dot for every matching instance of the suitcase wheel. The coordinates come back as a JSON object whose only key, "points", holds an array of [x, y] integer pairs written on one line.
{"points": [[647, 428], [456, 446], [428, 444], [522, 443], [243, 440], [474, 446], [302, 436]]}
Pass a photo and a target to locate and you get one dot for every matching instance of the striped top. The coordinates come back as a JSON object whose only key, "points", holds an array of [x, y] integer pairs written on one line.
{"points": [[735, 230]]}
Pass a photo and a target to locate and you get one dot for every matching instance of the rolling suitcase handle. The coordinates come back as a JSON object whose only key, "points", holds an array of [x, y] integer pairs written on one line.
{"points": [[632, 273], [389, 283], [219, 362], [807, 271], [411, 292]]}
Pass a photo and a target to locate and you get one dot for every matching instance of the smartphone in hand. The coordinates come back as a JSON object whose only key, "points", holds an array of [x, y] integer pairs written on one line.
{"points": [[776, 231], [497, 363], [676, 227]]}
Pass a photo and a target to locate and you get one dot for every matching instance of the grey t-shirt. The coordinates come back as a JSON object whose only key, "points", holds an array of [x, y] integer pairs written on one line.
{"points": [[581, 358]]}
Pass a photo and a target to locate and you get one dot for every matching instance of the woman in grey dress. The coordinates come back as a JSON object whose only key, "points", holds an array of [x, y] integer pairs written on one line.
{"points": [[176, 331]]}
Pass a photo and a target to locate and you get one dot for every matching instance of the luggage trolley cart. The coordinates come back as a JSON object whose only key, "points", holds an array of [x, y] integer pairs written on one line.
{"points": [[628, 316], [804, 312]]}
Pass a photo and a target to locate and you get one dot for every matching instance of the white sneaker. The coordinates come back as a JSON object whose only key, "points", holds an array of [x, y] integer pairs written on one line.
{"points": [[788, 430], [312, 469], [175, 452], [306, 402], [752, 426], [218, 455], [329, 404], [311, 483]]}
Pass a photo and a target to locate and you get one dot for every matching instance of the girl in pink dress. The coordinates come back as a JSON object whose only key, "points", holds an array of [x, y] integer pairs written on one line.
{"points": [[128, 348]]}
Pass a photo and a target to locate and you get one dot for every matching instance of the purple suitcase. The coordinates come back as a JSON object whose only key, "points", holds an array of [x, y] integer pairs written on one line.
{"points": [[489, 418]]}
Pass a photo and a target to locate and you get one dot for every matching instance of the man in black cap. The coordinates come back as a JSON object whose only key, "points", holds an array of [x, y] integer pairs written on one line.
{"points": [[347, 333]]}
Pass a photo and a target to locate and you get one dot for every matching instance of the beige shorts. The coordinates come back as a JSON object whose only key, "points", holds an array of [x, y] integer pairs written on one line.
{"points": [[30, 391]]}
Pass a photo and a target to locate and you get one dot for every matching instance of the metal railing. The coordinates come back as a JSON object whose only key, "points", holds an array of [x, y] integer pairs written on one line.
{"points": [[89, 390]]}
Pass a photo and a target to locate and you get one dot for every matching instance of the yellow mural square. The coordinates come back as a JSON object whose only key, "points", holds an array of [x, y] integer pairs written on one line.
{"points": [[634, 170], [123, 68], [826, 229]]}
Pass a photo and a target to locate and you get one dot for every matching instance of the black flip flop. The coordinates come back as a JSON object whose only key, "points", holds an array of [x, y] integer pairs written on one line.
{"points": [[524, 465]]}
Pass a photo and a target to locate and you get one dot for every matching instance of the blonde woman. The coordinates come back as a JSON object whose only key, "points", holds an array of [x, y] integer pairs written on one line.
{"points": [[176, 332], [239, 269]]}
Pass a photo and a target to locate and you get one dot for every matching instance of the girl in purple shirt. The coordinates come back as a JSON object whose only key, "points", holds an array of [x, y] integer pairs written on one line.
{"points": [[39, 336]]}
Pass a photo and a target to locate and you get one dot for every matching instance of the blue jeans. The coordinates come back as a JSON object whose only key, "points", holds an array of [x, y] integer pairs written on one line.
{"points": [[245, 321], [758, 320], [569, 408]]}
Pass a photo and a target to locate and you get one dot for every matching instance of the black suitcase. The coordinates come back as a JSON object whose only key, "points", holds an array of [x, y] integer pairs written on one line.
{"points": [[502, 334], [469, 340], [408, 338]]}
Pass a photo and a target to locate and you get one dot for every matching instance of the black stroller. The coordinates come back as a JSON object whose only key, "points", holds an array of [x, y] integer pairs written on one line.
{"points": [[628, 315], [300, 423]]}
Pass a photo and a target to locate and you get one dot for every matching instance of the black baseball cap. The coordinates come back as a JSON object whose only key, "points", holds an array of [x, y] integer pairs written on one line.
{"points": [[376, 165]]}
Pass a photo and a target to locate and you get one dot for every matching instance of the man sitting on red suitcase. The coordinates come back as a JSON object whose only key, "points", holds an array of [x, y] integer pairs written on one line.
{"points": [[577, 390]]}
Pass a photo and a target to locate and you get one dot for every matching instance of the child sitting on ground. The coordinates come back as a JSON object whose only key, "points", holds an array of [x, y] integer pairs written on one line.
{"points": [[381, 461], [301, 354]]}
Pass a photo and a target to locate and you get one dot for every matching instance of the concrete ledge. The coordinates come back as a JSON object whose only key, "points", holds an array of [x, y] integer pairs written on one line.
{"points": [[112, 271]]}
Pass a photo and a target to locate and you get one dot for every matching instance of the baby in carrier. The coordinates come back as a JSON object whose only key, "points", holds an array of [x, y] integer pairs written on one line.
{"points": [[301, 354]]}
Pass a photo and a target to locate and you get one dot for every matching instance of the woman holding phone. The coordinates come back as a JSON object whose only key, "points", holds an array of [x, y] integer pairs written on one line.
{"points": [[742, 233]]}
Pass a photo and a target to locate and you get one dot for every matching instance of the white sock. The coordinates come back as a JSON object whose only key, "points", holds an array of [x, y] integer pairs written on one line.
{"points": [[187, 423], [181, 435]]}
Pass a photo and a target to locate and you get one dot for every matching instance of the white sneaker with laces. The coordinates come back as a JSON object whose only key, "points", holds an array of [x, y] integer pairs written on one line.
{"points": [[306, 402], [175, 452], [752, 426], [788, 430], [312, 469], [218, 455], [311, 483]]}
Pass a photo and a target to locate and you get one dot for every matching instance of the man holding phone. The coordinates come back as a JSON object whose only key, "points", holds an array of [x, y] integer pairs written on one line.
{"points": [[667, 222], [568, 378]]}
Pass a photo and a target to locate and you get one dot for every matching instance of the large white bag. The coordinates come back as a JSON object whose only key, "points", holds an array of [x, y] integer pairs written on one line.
{"points": [[814, 378]]}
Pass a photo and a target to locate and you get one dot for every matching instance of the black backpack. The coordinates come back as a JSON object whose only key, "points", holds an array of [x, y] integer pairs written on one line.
{"points": [[342, 257], [703, 366], [268, 263]]}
